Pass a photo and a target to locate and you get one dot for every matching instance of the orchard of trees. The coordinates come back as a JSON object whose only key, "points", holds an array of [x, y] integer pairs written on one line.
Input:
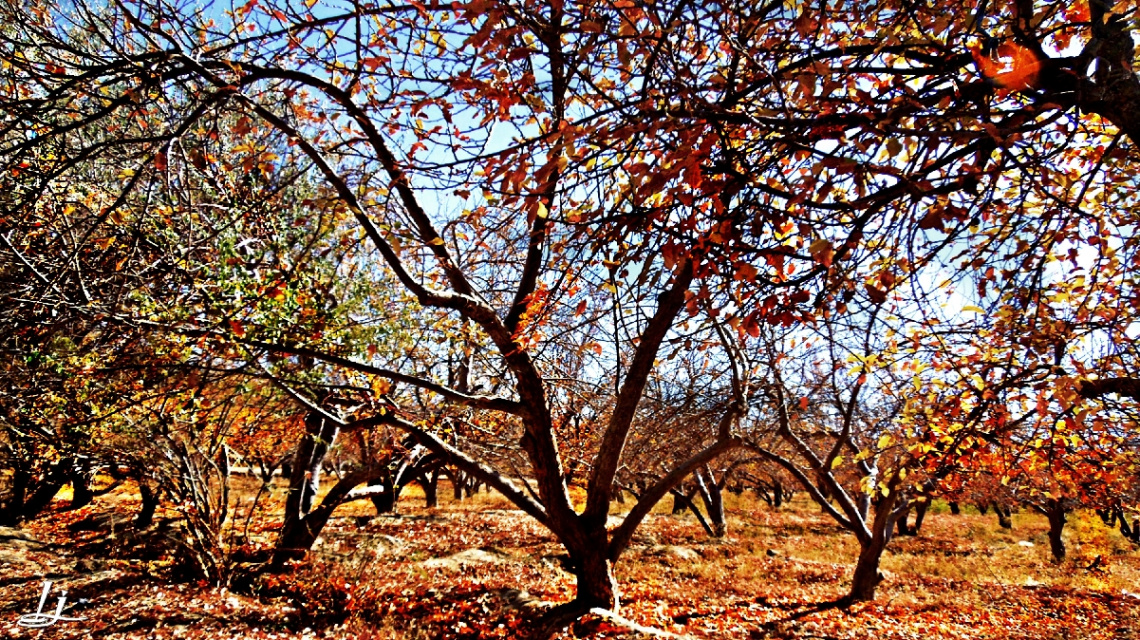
{"points": [[590, 255]]}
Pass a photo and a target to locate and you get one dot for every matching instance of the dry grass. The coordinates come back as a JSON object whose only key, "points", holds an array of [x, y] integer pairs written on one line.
{"points": [[777, 575]]}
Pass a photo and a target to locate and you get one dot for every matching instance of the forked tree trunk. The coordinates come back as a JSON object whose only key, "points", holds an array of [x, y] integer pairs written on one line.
{"points": [[714, 502], [305, 479], [298, 536], [384, 501], [687, 502], [1005, 521]]}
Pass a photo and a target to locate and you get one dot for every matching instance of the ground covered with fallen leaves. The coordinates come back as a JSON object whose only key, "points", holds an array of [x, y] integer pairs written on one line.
{"points": [[479, 569]]}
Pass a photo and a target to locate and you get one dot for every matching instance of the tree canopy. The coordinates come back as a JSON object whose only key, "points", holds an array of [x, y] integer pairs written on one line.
{"points": [[536, 233]]}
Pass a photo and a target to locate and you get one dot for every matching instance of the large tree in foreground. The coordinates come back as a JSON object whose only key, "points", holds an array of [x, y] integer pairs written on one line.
{"points": [[540, 178]]}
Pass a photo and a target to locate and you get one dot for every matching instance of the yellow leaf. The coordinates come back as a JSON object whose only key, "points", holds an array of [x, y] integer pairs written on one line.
{"points": [[822, 251], [836, 462]]}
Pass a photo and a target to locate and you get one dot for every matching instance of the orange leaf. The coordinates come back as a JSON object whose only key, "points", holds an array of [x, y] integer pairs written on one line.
{"points": [[822, 251]]}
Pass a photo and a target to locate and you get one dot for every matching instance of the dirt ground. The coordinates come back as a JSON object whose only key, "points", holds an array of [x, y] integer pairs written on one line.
{"points": [[480, 569]]}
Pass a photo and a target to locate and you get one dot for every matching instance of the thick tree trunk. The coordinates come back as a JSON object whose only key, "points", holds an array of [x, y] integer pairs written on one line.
{"points": [[954, 508], [312, 484], [1131, 533], [430, 484], [11, 512], [384, 502], [904, 529], [1055, 512], [149, 504], [1005, 520], [919, 515], [679, 502], [456, 486], [42, 496], [298, 536], [305, 479], [596, 588], [777, 495], [301, 460], [596, 584], [81, 493], [867, 576]]}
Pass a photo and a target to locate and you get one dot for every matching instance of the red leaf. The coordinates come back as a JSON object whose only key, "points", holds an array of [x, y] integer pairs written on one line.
{"points": [[237, 328]]}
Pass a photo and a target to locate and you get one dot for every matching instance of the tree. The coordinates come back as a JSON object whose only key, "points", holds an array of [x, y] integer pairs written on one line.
{"points": [[768, 161]]}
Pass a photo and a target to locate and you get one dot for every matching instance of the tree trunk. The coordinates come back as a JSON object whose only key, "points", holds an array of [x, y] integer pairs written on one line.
{"points": [[714, 502], [919, 515], [430, 484], [312, 485], [301, 459], [384, 502], [596, 588], [954, 508], [305, 479], [982, 508], [298, 537], [904, 530], [765, 496], [1134, 534], [1004, 516], [596, 584], [687, 503], [679, 502], [1055, 512], [777, 495], [42, 496], [149, 504], [11, 512], [867, 576], [81, 493]]}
